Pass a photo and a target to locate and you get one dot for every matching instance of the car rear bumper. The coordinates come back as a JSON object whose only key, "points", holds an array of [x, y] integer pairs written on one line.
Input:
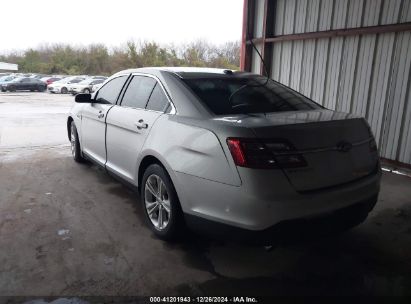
{"points": [[260, 206], [289, 230]]}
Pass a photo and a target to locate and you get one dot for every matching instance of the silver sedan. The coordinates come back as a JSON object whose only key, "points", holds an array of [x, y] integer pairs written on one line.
{"points": [[227, 152]]}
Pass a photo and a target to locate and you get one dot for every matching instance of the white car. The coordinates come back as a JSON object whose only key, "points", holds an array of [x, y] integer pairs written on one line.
{"points": [[84, 86], [95, 87], [229, 152], [62, 86]]}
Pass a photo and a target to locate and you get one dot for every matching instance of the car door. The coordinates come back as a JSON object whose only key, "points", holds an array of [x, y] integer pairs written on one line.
{"points": [[24, 84], [129, 124], [32, 84], [93, 121]]}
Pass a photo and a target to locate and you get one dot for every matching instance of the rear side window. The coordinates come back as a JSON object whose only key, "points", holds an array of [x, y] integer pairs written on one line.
{"points": [[138, 92], [234, 95], [109, 93], [158, 100]]}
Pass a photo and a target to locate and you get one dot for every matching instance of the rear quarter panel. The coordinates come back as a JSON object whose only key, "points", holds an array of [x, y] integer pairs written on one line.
{"points": [[190, 150]]}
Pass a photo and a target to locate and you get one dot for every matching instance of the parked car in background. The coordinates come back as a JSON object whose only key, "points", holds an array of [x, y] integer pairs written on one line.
{"points": [[95, 87], [39, 76], [24, 84], [230, 152], [84, 86], [99, 77], [62, 86], [7, 78], [50, 80]]}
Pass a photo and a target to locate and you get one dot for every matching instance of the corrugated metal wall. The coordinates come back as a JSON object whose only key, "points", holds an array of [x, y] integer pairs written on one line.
{"points": [[366, 74]]}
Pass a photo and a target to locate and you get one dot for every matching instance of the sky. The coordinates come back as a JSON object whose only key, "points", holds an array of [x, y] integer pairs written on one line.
{"points": [[113, 22]]}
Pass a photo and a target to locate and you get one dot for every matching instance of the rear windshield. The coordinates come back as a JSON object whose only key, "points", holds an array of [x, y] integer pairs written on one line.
{"points": [[247, 95]]}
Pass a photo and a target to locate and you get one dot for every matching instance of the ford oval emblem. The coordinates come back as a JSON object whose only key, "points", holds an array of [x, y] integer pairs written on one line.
{"points": [[344, 146]]}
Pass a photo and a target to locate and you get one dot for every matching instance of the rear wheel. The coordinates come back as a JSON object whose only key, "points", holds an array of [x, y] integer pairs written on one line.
{"points": [[161, 205], [41, 88], [75, 144]]}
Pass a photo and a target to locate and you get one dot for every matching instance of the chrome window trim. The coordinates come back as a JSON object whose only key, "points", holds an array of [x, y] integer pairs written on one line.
{"points": [[108, 80], [173, 108]]}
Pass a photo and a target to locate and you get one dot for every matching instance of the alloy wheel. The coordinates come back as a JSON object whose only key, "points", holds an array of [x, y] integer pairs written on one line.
{"points": [[157, 202], [73, 140]]}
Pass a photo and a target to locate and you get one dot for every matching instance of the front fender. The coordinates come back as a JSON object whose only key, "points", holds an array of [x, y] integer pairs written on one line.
{"points": [[75, 115]]}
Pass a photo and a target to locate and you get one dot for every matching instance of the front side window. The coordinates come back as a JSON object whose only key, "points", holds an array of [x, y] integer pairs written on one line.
{"points": [[158, 100], [138, 92], [235, 95], [109, 93]]}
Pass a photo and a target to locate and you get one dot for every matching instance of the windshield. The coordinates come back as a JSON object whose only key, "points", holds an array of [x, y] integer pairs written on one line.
{"points": [[247, 95], [7, 78]]}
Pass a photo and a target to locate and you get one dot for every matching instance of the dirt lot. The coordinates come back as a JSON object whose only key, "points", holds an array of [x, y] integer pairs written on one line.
{"points": [[68, 229]]}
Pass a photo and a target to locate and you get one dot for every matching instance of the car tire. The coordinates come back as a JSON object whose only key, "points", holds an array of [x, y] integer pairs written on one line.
{"points": [[12, 88], [164, 200], [75, 144], [41, 88], [87, 91], [64, 90]]}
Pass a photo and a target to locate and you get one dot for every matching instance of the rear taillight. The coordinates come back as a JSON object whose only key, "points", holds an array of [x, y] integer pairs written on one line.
{"points": [[236, 150], [266, 154]]}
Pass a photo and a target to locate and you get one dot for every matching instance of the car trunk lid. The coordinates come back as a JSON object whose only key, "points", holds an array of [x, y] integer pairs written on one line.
{"points": [[336, 151]]}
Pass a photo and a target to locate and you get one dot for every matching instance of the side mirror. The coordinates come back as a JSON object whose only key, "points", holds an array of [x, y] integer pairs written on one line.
{"points": [[83, 98]]}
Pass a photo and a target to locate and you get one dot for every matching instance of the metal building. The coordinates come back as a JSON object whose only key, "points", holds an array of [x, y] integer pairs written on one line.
{"points": [[348, 55], [8, 66]]}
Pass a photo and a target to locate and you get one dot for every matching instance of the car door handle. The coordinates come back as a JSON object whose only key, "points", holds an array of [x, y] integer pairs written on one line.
{"points": [[141, 124]]}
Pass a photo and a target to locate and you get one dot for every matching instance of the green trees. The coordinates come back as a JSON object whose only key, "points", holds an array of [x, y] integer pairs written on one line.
{"points": [[97, 59]]}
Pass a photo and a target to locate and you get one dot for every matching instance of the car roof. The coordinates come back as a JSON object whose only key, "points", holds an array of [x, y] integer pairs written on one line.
{"points": [[182, 98], [186, 72]]}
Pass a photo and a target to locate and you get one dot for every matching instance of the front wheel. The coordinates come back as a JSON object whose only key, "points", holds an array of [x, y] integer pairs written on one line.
{"points": [[161, 205], [75, 144], [64, 90], [87, 91], [41, 88]]}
